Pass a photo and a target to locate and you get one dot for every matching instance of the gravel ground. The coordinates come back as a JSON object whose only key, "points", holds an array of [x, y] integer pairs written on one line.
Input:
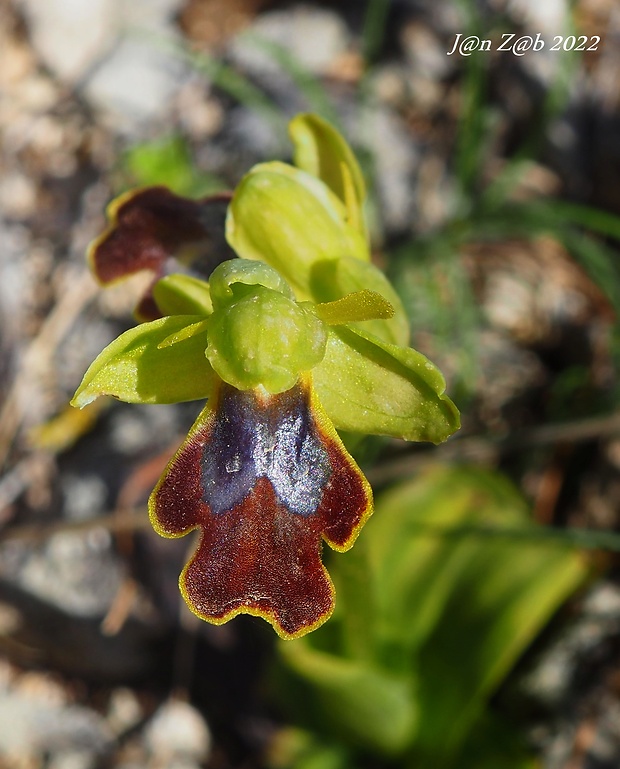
{"points": [[100, 665]]}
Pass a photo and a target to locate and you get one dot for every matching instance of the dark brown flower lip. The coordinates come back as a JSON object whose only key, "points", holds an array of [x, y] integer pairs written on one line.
{"points": [[266, 479]]}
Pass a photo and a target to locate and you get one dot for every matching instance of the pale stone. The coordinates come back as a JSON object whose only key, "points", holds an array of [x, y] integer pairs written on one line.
{"points": [[177, 730], [313, 36], [69, 35]]}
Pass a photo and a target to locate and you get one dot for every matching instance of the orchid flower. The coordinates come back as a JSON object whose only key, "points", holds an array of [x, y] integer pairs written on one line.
{"points": [[295, 338]]}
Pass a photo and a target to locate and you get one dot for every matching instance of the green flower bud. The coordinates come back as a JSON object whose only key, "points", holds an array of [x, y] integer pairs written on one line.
{"points": [[264, 338]]}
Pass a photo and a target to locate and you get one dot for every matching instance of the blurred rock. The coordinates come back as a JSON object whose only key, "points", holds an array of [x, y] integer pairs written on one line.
{"points": [[599, 620], [388, 82], [533, 289], [110, 49], [547, 19], [78, 573], [141, 428], [37, 719], [178, 733], [436, 194], [201, 114], [72, 759], [507, 372], [14, 286], [135, 82], [124, 710], [575, 682], [85, 496], [395, 159], [254, 136], [313, 36], [212, 23], [425, 52], [69, 35], [18, 196], [79, 349]]}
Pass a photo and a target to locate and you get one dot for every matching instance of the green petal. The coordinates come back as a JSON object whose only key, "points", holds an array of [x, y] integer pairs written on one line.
{"points": [[186, 332], [323, 152], [367, 385], [136, 370], [357, 306], [334, 279], [292, 221], [182, 295]]}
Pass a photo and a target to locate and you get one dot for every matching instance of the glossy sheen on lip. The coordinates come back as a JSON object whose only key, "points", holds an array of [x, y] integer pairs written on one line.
{"points": [[266, 478], [273, 438]]}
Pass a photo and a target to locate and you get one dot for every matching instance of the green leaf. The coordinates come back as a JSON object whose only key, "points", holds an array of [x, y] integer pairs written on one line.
{"points": [[453, 611], [323, 152], [585, 216], [182, 295], [374, 708], [493, 743], [293, 748], [356, 609], [481, 601], [367, 385], [135, 369], [373, 32], [415, 573], [291, 220]]}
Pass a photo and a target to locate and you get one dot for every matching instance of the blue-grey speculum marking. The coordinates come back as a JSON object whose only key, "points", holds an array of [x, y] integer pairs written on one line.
{"points": [[277, 440]]}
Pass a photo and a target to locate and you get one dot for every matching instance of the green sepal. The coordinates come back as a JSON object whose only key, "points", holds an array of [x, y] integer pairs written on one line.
{"points": [[182, 295], [370, 386], [135, 369], [322, 151], [292, 221], [335, 278]]}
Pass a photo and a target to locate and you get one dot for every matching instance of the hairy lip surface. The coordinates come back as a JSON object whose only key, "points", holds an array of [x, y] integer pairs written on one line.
{"points": [[266, 479]]}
